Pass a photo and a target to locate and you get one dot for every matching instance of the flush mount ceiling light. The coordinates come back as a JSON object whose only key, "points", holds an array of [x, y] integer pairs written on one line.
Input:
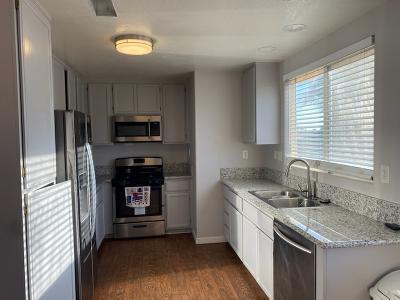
{"points": [[134, 44], [266, 49], [294, 27]]}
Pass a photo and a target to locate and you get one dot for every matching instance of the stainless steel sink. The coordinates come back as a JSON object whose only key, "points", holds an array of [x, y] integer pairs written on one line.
{"points": [[284, 199], [266, 194]]}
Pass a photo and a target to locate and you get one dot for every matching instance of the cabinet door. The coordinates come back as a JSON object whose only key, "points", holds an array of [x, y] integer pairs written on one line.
{"points": [[235, 230], [71, 90], [108, 204], [59, 85], [124, 100], [148, 98], [250, 237], [100, 230], [81, 101], [100, 111], [174, 113], [249, 106], [37, 97], [178, 210], [265, 271]]}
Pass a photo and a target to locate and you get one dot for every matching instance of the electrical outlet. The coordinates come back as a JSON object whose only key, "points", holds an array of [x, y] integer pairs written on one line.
{"points": [[245, 154], [385, 174], [278, 155]]}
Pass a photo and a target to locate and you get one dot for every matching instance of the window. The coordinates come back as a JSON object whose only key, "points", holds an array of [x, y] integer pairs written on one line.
{"points": [[331, 114]]}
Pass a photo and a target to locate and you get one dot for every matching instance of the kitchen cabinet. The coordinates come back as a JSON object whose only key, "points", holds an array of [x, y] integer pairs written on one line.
{"points": [[177, 194], [81, 95], [261, 104], [100, 110], [250, 238], [100, 225], [124, 101], [71, 89], [37, 97], [235, 230], [265, 263], [148, 98], [59, 85], [174, 115]]}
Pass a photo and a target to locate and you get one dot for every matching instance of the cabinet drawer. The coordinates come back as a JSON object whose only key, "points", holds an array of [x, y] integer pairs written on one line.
{"points": [[226, 219], [265, 223], [177, 185], [234, 199]]}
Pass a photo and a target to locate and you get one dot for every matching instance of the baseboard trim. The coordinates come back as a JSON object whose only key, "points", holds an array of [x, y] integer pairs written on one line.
{"points": [[209, 239]]}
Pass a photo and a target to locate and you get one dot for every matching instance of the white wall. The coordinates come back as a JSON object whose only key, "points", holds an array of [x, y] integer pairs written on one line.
{"points": [[105, 155], [384, 23], [217, 144], [12, 273]]}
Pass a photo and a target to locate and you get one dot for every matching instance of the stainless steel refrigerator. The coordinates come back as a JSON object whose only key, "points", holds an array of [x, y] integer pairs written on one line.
{"points": [[75, 163]]}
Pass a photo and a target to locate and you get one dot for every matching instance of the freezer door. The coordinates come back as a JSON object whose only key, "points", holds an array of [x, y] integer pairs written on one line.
{"points": [[50, 243]]}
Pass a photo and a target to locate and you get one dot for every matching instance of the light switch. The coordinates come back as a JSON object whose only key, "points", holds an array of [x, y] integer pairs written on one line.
{"points": [[245, 154], [385, 174], [278, 155]]}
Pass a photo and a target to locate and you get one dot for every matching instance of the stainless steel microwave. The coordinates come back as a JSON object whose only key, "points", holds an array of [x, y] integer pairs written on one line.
{"points": [[129, 128]]}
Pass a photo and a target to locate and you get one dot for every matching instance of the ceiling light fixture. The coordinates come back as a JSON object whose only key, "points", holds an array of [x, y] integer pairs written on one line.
{"points": [[134, 44], [294, 27], [266, 49]]}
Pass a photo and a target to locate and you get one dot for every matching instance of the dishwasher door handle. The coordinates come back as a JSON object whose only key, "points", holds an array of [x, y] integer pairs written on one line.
{"points": [[290, 242]]}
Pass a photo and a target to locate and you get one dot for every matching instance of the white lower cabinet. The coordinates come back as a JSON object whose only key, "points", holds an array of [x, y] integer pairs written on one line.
{"points": [[178, 211], [265, 263], [235, 230], [177, 196], [250, 233], [100, 225]]}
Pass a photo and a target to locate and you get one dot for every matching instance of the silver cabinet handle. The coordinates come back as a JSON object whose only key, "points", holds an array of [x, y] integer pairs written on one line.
{"points": [[290, 242]]}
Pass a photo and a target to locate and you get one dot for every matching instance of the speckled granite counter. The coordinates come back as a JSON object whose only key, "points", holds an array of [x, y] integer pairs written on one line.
{"points": [[173, 175], [329, 226]]}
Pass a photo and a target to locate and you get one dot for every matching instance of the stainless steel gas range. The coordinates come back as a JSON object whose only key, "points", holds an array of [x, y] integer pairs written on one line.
{"points": [[138, 206]]}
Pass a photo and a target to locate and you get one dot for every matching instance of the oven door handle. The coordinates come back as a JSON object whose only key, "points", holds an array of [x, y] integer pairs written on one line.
{"points": [[149, 128], [290, 242]]}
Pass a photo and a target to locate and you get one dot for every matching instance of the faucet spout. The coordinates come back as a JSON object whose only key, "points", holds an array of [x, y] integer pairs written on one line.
{"points": [[309, 188]]}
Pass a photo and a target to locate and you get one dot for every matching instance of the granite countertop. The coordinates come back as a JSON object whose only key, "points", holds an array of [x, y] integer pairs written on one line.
{"points": [[329, 226]]}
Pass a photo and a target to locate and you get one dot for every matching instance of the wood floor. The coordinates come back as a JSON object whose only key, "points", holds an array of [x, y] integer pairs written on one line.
{"points": [[172, 267]]}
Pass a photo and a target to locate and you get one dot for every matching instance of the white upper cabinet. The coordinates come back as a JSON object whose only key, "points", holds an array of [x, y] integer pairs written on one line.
{"points": [[260, 104], [71, 89], [124, 98], [37, 96], [174, 115], [148, 98], [59, 85], [81, 95], [100, 110]]}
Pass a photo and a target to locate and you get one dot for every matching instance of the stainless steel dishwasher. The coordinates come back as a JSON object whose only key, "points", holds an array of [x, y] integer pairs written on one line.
{"points": [[294, 265]]}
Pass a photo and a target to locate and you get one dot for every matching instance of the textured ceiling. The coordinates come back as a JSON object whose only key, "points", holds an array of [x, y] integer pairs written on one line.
{"points": [[190, 34]]}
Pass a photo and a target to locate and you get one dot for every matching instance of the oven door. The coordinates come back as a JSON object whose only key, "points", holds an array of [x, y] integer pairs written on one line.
{"points": [[154, 212], [137, 129]]}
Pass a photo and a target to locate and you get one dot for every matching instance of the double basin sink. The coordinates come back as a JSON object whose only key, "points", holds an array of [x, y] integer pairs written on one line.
{"points": [[284, 199]]}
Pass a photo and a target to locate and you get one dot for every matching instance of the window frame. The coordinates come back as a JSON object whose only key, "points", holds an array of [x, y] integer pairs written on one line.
{"points": [[324, 166]]}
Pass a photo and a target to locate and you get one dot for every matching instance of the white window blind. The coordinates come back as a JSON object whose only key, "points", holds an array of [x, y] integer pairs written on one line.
{"points": [[331, 114]]}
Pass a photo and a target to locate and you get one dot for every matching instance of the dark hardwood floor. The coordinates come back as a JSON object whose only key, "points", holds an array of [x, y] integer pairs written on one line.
{"points": [[172, 267]]}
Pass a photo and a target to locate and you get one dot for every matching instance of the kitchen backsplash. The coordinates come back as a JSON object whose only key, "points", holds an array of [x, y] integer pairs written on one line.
{"points": [[372, 207]]}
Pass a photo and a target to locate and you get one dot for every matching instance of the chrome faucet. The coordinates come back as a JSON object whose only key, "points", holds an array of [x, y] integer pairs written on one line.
{"points": [[308, 192]]}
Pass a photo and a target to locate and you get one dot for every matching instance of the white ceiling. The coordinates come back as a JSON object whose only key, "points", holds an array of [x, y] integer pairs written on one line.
{"points": [[191, 34]]}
